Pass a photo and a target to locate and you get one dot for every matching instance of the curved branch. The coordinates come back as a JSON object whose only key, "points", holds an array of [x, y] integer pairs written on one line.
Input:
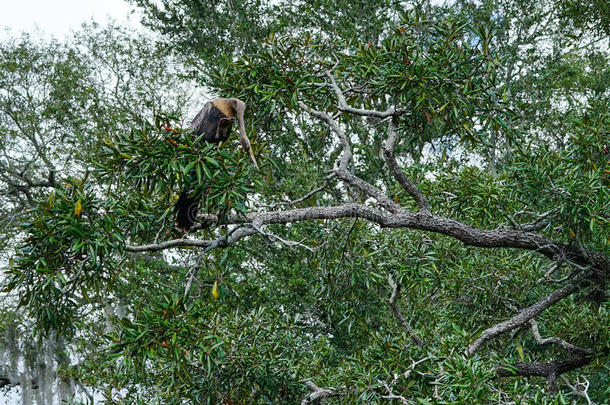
{"points": [[347, 150], [555, 340], [525, 315], [550, 370], [369, 189], [407, 185], [343, 106], [392, 301]]}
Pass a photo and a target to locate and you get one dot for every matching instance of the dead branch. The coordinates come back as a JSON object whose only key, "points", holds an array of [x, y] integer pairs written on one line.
{"points": [[346, 156], [343, 106], [579, 389]]}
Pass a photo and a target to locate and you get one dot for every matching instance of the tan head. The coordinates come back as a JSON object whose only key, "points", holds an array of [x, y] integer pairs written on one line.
{"points": [[240, 107]]}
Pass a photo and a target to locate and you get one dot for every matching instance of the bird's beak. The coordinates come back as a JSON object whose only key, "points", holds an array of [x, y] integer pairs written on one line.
{"points": [[245, 143]]}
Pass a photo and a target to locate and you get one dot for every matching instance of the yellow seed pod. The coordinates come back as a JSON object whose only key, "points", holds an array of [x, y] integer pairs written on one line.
{"points": [[215, 292], [77, 208]]}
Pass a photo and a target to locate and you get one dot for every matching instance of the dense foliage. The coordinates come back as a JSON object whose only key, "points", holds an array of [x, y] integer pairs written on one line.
{"points": [[427, 173]]}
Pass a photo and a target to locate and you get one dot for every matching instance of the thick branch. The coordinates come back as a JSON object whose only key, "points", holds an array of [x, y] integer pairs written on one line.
{"points": [[550, 370], [407, 185], [524, 316], [496, 238]]}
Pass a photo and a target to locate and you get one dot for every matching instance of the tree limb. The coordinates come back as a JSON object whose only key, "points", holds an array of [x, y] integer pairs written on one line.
{"points": [[487, 238], [390, 159], [555, 340], [347, 150], [318, 393], [550, 370], [392, 301], [343, 106], [525, 315]]}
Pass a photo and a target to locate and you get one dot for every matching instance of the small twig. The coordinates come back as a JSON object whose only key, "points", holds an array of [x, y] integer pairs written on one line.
{"points": [[289, 243], [233, 236], [391, 395], [195, 269], [406, 375], [556, 266], [305, 197]]}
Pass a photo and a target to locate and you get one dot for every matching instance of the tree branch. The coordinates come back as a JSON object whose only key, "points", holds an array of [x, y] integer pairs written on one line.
{"points": [[318, 393], [555, 340], [343, 106], [369, 189], [407, 185], [525, 315], [347, 150], [392, 301], [550, 370], [487, 238]]}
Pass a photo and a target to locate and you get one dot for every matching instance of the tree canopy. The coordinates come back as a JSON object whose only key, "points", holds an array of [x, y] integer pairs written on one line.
{"points": [[429, 223]]}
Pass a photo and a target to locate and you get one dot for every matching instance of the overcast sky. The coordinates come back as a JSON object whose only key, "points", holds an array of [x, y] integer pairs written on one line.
{"points": [[59, 17]]}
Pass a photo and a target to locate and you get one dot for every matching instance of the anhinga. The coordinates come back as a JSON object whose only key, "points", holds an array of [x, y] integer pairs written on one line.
{"points": [[214, 121]]}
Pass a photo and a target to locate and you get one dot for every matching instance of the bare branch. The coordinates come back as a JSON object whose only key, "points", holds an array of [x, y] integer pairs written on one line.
{"points": [[289, 243], [318, 393], [406, 374], [496, 238], [550, 370], [576, 390], [392, 301], [391, 395], [556, 266], [358, 111], [306, 196], [524, 316], [369, 189], [347, 150], [224, 241], [153, 247], [390, 158], [174, 243], [554, 340]]}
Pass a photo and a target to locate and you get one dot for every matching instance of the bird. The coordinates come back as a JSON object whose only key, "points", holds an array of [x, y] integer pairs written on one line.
{"points": [[214, 122]]}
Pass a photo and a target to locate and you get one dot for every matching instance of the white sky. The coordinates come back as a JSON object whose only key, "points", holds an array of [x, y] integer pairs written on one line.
{"points": [[58, 17]]}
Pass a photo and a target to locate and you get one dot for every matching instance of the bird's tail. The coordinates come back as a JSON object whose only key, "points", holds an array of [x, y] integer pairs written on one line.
{"points": [[186, 211]]}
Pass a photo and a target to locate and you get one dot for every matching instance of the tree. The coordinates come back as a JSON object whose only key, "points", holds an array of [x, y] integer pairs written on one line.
{"points": [[58, 101], [413, 182]]}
